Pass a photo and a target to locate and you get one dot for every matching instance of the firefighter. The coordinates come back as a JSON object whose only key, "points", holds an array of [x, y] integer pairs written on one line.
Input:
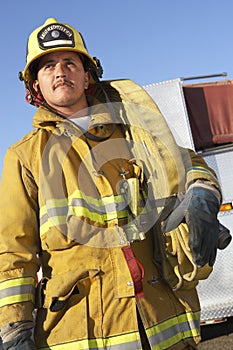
{"points": [[86, 199]]}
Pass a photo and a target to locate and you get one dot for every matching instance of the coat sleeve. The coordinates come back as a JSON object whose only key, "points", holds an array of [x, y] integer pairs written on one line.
{"points": [[178, 268], [197, 170], [19, 241]]}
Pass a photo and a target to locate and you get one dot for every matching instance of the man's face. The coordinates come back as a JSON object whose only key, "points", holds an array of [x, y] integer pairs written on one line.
{"points": [[62, 80]]}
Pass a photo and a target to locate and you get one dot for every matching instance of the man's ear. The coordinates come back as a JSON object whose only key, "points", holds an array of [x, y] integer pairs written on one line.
{"points": [[35, 97], [87, 80], [36, 86]]}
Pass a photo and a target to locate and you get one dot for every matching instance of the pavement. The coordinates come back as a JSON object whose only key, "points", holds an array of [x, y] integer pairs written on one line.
{"points": [[221, 343]]}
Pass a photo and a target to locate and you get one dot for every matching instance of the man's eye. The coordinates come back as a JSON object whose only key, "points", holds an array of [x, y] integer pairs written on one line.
{"points": [[48, 66], [70, 63]]}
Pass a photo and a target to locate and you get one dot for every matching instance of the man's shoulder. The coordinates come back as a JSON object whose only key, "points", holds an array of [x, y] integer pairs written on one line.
{"points": [[25, 140]]}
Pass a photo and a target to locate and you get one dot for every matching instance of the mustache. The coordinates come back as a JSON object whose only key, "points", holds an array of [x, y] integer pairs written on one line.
{"points": [[63, 82]]}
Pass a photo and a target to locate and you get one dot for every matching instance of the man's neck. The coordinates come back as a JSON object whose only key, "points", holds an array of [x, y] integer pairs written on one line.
{"points": [[74, 112]]}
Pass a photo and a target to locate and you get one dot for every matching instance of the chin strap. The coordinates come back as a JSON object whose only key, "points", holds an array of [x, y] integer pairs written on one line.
{"points": [[34, 98]]}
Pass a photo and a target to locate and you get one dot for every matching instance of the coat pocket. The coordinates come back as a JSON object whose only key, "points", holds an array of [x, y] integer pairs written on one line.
{"points": [[64, 312], [54, 293]]}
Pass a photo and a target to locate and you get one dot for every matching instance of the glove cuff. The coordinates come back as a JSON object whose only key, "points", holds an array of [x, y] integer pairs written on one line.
{"points": [[208, 186], [11, 330]]}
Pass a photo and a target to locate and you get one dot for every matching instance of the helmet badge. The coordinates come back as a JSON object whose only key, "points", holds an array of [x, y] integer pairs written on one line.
{"points": [[55, 35]]}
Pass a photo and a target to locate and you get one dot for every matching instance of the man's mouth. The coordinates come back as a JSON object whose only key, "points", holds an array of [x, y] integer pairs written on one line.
{"points": [[63, 83]]}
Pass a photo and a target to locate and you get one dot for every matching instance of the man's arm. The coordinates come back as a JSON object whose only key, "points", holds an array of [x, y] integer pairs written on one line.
{"points": [[199, 208], [19, 243]]}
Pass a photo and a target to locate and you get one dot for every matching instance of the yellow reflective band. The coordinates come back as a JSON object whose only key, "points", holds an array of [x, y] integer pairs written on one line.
{"points": [[14, 282], [120, 342], [200, 169], [17, 290], [83, 213], [172, 331], [161, 336], [100, 211], [17, 299], [82, 196], [193, 319]]}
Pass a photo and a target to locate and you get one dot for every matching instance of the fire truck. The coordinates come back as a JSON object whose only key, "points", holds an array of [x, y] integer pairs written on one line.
{"points": [[199, 112]]}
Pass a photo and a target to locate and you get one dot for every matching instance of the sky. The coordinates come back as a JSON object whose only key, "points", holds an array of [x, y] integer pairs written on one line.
{"points": [[146, 41]]}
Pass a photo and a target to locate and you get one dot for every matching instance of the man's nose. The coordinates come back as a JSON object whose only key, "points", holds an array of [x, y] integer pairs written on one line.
{"points": [[60, 70]]}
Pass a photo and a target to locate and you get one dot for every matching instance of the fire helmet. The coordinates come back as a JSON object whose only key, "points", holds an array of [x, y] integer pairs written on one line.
{"points": [[54, 36]]}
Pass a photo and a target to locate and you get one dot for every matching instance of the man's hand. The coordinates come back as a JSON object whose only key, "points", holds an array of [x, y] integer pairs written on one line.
{"points": [[199, 208], [17, 336], [22, 342]]}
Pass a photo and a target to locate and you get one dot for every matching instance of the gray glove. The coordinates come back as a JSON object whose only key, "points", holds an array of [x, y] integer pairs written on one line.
{"points": [[22, 342], [17, 336], [199, 208]]}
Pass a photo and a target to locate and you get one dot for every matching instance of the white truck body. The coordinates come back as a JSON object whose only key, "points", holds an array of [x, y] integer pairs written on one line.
{"points": [[216, 293]]}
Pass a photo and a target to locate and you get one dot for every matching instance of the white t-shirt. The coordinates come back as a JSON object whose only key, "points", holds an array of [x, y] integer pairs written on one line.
{"points": [[83, 122]]}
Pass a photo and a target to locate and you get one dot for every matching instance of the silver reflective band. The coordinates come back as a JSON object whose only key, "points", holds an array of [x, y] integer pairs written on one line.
{"points": [[57, 42], [23, 289]]}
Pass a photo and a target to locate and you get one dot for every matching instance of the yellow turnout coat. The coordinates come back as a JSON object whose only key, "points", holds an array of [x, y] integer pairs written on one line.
{"points": [[63, 210]]}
